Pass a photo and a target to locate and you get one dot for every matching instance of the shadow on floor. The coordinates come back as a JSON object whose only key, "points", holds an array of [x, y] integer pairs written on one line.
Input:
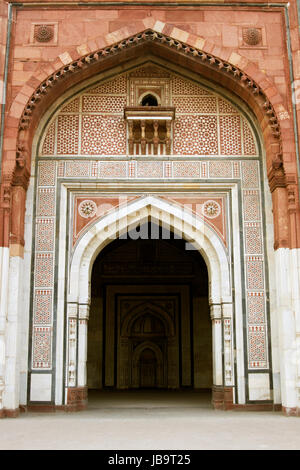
{"points": [[98, 399]]}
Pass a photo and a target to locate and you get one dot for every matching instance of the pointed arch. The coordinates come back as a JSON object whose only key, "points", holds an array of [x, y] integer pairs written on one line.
{"points": [[120, 220]]}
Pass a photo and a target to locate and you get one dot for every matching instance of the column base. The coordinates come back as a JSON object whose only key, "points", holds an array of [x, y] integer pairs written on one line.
{"points": [[77, 399], [290, 411], [222, 397], [9, 413]]}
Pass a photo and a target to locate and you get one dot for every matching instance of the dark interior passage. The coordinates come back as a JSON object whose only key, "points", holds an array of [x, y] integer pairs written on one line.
{"points": [[149, 325]]}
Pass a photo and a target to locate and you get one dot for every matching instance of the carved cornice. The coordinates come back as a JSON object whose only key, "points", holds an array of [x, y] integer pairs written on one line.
{"points": [[145, 37]]}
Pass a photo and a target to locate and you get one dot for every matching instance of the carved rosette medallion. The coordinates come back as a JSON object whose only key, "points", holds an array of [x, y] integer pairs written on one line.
{"points": [[87, 209], [211, 209], [252, 36], [43, 33]]}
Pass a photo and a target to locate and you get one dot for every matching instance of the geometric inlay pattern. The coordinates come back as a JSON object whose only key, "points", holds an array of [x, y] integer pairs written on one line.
{"points": [[196, 135], [220, 169], [248, 139], [46, 202], [103, 135], [230, 135], [44, 270], [205, 123], [255, 275], [103, 104], [251, 205], [67, 134], [42, 307], [41, 347], [253, 238], [45, 234], [250, 174], [256, 307], [47, 173], [257, 345]]}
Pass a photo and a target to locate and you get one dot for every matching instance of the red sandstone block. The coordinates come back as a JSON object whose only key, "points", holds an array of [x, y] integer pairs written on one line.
{"points": [[131, 14], [29, 66], [290, 166], [33, 82], [167, 29], [106, 14], [48, 69], [57, 64], [9, 156], [92, 45], [134, 28], [159, 15], [20, 98], [273, 63], [12, 132], [73, 53], [16, 110], [116, 26], [71, 33], [92, 29], [196, 41], [9, 144], [12, 122], [184, 16], [295, 44], [27, 90], [17, 65], [230, 36], [26, 52], [149, 22], [274, 34], [217, 51], [100, 42], [20, 77], [288, 145], [209, 46], [83, 49]]}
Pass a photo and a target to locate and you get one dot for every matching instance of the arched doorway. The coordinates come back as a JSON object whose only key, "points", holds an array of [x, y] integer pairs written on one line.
{"points": [[149, 322]]}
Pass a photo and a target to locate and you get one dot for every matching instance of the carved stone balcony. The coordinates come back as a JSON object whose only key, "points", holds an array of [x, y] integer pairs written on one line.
{"points": [[149, 129]]}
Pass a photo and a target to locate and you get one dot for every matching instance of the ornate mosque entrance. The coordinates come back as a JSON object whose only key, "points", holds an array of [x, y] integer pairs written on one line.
{"points": [[149, 144], [149, 324]]}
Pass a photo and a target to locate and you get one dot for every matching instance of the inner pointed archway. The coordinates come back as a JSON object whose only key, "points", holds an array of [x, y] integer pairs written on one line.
{"points": [[149, 324], [205, 240]]}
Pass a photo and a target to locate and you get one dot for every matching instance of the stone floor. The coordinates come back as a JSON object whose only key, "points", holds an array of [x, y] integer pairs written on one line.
{"points": [[150, 420]]}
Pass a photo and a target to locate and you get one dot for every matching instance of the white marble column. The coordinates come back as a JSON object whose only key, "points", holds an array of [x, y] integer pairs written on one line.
{"points": [[82, 344], [227, 314], [286, 328], [72, 317], [11, 398], [217, 346], [4, 269]]}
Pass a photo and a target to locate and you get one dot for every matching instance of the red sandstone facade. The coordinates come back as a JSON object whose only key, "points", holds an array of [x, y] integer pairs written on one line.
{"points": [[252, 51]]}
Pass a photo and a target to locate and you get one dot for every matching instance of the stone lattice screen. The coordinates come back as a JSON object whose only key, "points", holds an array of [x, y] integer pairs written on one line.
{"points": [[93, 123]]}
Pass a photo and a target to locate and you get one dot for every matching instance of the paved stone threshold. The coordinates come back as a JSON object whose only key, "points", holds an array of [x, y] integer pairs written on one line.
{"points": [[147, 420]]}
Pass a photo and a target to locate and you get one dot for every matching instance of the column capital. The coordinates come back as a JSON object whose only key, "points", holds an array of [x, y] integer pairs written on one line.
{"points": [[215, 311], [72, 310], [227, 310], [84, 311]]}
